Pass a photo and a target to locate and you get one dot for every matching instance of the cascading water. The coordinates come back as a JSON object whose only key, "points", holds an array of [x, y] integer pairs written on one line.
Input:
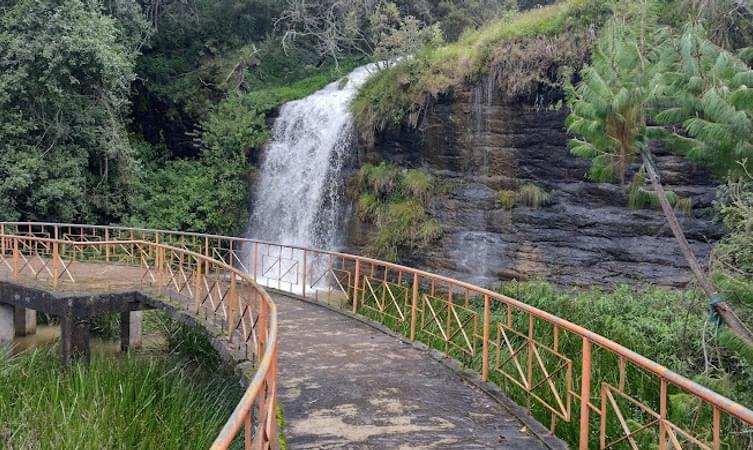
{"points": [[297, 198]]}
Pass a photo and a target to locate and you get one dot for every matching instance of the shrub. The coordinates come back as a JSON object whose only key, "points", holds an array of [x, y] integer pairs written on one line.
{"points": [[732, 260]]}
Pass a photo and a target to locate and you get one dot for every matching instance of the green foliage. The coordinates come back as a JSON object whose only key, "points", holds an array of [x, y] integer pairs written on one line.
{"points": [[381, 180], [733, 255], [533, 196], [419, 184], [507, 199], [397, 36], [235, 125], [65, 76], [201, 50], [340, 28], [611, 105], [273, 93], [182, 195], [640, 197], [661, 324], [457, 17], [210, 194], [401, 93], [708, 92], [730, 22], [395, 201], [128, 402], [280, 415]]}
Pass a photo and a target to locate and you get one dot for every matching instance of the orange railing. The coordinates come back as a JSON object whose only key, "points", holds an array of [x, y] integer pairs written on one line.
{"points": [[592, 391], [224, 297]]}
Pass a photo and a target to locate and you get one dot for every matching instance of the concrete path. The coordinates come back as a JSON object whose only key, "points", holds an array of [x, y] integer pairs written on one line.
{"points": [[345, 385]]}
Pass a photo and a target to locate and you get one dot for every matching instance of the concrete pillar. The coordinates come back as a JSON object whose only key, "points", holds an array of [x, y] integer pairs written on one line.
{"points": [[74, 339], [7, 330], [26, 321], [131, 330]]}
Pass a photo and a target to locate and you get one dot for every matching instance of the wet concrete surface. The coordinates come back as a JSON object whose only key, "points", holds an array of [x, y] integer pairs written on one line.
{"points": [[346, 385]]}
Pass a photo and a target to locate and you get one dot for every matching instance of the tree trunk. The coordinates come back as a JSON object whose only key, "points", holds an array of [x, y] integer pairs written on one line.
{"points": [[723, 308]]}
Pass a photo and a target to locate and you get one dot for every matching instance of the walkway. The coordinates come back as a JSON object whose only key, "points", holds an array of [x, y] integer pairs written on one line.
{"points": [[346, 385]]}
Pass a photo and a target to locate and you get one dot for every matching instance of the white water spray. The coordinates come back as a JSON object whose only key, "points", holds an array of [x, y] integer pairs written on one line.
{"points": [[297, 198]]}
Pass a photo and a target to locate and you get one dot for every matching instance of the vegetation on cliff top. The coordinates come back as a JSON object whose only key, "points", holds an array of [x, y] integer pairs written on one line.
{"points": [[519, 50]]}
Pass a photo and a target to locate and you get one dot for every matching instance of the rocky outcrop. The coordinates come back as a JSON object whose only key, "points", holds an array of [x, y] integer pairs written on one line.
{"points": [[480, 143]]}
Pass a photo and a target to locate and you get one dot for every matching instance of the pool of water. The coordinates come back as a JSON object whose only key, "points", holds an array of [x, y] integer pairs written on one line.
{"points": [[47, 335]]}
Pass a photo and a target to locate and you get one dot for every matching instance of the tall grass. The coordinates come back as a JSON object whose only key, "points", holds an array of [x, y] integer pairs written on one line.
{"points": [[113, 403]]}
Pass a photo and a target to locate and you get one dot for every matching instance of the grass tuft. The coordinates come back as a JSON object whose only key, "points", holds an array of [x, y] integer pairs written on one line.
{"points": [[533, 196], [507, 199]]}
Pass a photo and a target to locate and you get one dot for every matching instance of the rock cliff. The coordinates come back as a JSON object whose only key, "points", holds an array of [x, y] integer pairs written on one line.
{"points": [[479, 143]]}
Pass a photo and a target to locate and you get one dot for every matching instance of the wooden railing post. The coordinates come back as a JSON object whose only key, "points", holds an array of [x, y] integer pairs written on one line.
{"points": [[256, 262], [414, 308], [159, 259], [585, 395], [156, 241], [663, 414], [107, 246], [305, 270], [2, 232], [56, 234], [261, 326], [206, 254], [16, 258], [485, 343], [357, 276], [197, 286], [232, 306], [55, 263]]}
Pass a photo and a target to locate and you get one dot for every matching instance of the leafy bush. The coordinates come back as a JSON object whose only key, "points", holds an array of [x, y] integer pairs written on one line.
{"points": [[640, 197], [732, 260]]}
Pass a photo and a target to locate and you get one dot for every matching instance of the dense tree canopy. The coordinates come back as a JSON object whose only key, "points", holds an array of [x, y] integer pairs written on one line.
{"points": [[65, 75]]}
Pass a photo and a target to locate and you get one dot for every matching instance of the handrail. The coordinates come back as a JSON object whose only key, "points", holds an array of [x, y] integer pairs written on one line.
{"points": [[521, 345], [168, 270]]}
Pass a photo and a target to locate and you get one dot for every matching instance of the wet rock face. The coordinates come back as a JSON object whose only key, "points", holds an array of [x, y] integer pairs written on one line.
{"points": [[479, 144]]}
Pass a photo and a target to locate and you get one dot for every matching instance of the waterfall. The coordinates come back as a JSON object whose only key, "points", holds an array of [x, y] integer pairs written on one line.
{"points": [[297, 197]]}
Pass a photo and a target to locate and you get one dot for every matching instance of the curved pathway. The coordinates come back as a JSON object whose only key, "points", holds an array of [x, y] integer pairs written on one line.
{"points": [[346, 385]]}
